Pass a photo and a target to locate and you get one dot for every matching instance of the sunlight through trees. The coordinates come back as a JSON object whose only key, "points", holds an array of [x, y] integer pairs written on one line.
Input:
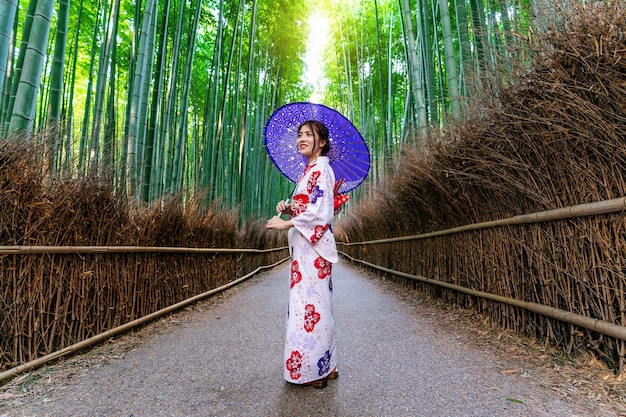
{"points": [[167, 96]]}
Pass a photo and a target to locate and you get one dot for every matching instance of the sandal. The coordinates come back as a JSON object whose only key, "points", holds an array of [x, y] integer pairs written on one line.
{"points": [[334, 374], [318, 384]]}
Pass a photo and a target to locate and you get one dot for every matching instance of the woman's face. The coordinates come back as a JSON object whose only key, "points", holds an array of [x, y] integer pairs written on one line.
{"points": [[309, 143]]}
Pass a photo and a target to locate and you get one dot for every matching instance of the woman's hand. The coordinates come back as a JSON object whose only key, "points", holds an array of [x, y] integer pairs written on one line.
{"points": [[277, 223], [283, 207]]}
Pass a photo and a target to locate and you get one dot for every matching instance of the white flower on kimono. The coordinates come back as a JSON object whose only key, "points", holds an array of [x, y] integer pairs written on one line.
{"points": [[312, 181], [296, 276], [300, 203]]}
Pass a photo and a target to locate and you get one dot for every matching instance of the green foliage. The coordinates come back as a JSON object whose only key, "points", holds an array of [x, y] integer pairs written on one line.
{"points": [[220, 82]]}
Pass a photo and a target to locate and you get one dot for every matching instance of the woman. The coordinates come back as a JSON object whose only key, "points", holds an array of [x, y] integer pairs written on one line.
{"points": [[310, 357]]}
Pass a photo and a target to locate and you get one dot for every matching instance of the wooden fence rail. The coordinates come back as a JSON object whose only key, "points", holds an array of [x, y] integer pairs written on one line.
{"points": [[591, 209], [14, 250]]}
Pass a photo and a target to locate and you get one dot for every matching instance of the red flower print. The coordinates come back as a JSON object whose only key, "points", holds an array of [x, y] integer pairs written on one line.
{"points": [[296, 276], [313, 181], [293, 364], [324, 267], [300, 203], [311, 317], [319, 232]]}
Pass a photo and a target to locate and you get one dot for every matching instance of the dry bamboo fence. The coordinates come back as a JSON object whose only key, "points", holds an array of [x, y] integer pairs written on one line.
{"points": [[79, 260], [554, 138], [515, 285], [61, 296], [107, 334]]}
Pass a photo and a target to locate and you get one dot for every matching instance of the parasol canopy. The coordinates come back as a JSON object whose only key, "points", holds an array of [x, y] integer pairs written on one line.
{"points": [[349, 156]]}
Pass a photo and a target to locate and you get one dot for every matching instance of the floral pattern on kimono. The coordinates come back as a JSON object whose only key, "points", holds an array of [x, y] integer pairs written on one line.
{"points": [[310, 340], [300, 203], [324, 267], [296, 276]]}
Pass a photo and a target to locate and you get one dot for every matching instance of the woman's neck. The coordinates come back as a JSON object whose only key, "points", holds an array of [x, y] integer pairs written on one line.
{"points": [[312, 159]]}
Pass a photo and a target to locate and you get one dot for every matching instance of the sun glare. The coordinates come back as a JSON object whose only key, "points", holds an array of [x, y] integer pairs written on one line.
{"points": [[318, 38]]}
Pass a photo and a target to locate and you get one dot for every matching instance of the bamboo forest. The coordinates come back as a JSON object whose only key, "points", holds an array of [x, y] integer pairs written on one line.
{"points": [[171, 96]]}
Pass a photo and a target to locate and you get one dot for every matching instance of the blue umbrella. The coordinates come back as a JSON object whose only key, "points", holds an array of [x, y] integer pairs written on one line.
{"points": [[349, 156]]}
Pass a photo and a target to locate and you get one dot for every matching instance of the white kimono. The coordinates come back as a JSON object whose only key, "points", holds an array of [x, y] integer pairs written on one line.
{"points": [[310, 341]]}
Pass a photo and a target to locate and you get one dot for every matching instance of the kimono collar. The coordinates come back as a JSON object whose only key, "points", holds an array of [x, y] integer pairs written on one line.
{"points": [[320, 160]]}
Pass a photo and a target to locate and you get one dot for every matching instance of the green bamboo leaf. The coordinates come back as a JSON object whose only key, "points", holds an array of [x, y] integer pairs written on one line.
{"points": [[513, 400]]}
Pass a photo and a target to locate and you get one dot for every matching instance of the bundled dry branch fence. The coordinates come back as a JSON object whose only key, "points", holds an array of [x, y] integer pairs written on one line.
{"points": [[60, 299], [556, 138], [55, 291], [533, 263]]}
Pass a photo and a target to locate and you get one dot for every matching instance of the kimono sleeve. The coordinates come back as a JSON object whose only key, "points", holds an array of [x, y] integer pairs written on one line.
{"points": [[315, 206]]}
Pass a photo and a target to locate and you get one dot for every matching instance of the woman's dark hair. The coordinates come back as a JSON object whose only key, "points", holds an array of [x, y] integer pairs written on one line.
{"points": [[321, 130]]}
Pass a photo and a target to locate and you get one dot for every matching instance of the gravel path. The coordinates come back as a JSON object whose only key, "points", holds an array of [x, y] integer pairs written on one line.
{"points": [[398, 356]]}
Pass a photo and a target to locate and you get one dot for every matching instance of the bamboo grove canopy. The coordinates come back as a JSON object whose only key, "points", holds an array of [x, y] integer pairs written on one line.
{"points": [[162, 97]]}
